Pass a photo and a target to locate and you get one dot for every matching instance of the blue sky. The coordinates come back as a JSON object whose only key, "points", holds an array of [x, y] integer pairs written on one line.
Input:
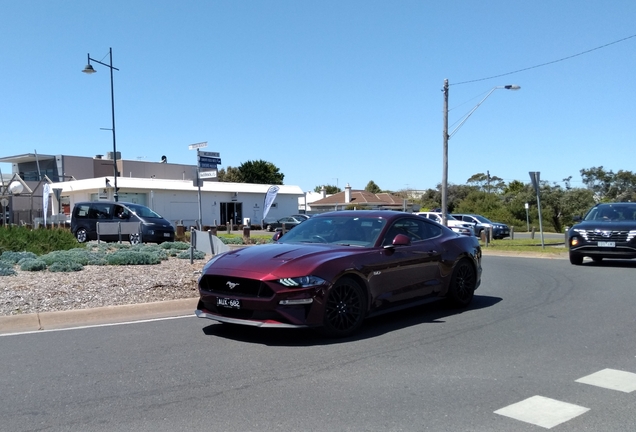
{"points": [[331, 92]]}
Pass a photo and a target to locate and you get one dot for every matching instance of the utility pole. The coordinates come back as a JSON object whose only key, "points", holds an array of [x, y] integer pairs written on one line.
{"points": [[445, 157]]}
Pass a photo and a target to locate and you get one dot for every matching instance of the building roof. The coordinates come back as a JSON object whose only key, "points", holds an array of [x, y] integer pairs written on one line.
{"points": [[174, 185], [360, 197], [26, 157]]}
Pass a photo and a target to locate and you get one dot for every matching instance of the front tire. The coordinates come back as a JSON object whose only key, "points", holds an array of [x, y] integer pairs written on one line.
{"points": [[134, 239], [81, 235], [463, 284], [576, 259], [344, 309]]}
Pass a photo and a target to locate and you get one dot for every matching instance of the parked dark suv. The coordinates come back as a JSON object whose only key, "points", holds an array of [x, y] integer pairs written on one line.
{"points": [[608, 230], [86, 215]]}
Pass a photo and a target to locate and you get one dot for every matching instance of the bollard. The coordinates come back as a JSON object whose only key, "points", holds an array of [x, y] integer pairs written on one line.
{"points": [[512, 232], [246, 233], [213, 230], [532, 233], [228, 227]]}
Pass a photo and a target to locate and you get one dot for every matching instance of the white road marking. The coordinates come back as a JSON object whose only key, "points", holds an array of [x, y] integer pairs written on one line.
{"points": [[611, 379], [542, 411]]}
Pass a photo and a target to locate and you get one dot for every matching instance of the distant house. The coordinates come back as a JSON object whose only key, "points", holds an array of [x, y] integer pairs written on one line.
{"points": [[362, 200]]}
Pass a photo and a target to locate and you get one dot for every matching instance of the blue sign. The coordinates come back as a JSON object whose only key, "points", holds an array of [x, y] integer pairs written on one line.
{"points": [[210, 160], [207, 165]]}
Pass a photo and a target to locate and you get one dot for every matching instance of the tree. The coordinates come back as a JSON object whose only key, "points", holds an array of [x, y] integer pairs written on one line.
{"points": [[372, 187], [330, 189], [486, 182], [230, 175], [260, 172]]}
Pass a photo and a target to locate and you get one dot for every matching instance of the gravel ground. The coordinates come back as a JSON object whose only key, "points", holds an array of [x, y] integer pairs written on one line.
{"points": [[95, 286]]}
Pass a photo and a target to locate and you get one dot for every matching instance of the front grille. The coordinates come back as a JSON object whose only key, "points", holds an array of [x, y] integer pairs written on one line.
{"points": [[598, 235], [235, 286]]}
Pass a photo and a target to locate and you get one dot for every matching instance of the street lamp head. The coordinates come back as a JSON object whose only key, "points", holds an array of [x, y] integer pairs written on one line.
{"points": [[89, 69], [512, 87]]}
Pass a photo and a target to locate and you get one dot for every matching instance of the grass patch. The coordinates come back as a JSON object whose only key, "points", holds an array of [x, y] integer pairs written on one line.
{"points": [[552, 246]]}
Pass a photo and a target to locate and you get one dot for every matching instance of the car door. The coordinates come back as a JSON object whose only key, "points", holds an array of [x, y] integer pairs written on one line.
{"points": [[405, 272]]}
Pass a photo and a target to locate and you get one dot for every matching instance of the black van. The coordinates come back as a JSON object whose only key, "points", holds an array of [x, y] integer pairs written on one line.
{"points": [[154, 228]]}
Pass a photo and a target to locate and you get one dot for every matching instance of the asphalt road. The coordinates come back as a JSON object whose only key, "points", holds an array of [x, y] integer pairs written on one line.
{"points": [[535, 328]]}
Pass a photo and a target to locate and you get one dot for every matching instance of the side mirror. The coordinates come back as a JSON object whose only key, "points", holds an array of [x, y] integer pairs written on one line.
{"points": [[399, 240], [277, 235]]}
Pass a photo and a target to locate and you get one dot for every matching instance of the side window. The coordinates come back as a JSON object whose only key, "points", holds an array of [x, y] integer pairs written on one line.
{"points": [[416, 230], [81, 211], [100, 211]]}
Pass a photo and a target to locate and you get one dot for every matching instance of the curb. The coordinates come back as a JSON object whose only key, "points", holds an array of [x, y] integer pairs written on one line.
{"points": [[95, 316]]}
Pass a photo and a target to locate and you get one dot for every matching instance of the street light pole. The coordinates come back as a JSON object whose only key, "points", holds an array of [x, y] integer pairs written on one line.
{"points": [[89, 70], [447, 136]]}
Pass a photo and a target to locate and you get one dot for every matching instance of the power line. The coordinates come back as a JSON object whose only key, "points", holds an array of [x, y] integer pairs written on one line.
{"points": [[548, 63]]}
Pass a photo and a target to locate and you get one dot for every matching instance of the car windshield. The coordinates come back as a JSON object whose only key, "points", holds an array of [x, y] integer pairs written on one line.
{"points": [[343, 230], [143, 211], [482, 219], [612, 212]]}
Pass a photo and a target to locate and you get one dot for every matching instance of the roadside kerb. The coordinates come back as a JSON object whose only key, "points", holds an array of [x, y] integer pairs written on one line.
{"points": [[96, 316]]}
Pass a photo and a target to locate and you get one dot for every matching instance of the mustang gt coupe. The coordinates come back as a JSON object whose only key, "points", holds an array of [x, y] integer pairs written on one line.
{"points": [[336, 269]]}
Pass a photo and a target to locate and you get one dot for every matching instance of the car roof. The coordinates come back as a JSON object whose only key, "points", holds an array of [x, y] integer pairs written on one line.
{"points": [[384, 214]]}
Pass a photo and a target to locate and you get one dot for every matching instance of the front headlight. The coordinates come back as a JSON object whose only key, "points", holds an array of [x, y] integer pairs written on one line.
{"points": [[302, 281]]}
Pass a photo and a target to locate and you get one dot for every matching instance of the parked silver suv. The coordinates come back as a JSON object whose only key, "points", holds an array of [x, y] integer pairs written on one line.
{"points": [[499, 230], [451, 222]]}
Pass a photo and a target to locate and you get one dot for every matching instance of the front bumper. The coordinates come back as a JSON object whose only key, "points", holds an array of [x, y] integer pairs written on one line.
{"points": [[251, 322]]}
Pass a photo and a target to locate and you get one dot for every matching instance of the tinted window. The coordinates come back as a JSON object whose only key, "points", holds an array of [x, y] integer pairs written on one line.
{"points": [[416, 230], [81, 211], [100, 211]]}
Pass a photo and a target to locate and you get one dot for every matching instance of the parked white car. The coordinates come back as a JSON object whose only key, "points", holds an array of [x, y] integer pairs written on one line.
{"points": [[451, 222]]}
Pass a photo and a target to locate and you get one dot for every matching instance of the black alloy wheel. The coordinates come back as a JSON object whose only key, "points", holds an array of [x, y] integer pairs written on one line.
{"points": [[81, 235], [576, 259], [134, 239], [463, 283], [344, 308]]}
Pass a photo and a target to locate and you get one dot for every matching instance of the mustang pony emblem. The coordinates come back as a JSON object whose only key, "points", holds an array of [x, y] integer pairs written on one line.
{"points": [[232, 285]]}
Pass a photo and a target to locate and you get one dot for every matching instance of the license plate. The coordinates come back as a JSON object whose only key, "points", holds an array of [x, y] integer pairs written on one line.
{"points": [[166, 234], [607, 244], [228, 303]]}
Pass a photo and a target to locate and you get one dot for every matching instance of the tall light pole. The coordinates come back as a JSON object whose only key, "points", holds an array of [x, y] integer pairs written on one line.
{"points": [[447, 136], [89, 70]]}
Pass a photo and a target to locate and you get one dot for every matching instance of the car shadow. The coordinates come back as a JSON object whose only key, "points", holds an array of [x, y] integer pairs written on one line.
{"points": [[433, 313], [621, 263]]}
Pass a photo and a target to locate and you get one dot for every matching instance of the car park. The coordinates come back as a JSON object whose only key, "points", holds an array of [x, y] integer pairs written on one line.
{"points": [[607, 230], [86, 215], [451, 222], [338, 268], [499, 230]]}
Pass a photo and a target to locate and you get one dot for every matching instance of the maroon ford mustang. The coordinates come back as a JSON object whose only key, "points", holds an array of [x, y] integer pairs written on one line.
{"points": [[337, 268]]}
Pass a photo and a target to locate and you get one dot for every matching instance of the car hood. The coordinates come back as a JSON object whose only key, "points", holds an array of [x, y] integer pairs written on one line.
{"points": [[279, 259], [606, 225]]}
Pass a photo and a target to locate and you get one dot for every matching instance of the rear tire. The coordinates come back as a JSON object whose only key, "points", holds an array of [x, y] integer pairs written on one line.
{"points": [[344, 309], [463, 283], [576, 259], [134, 239]]}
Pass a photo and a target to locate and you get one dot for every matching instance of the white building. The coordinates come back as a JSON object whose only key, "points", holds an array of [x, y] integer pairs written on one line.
{"points": [[178, 200]]}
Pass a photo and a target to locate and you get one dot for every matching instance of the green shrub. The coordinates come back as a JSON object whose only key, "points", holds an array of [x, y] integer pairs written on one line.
{"points": [[6, 269], [79, 256], [67, 266], [179, 245], [128, 257], [39, 241], [32, 264], [197, 254], [15, 257]]}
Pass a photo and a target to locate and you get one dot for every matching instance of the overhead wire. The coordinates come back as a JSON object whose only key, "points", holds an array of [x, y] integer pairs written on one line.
{"points": [[547, 63]]}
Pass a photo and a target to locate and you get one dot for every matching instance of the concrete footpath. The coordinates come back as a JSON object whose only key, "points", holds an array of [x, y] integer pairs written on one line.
{"points": [[96, 316]]}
